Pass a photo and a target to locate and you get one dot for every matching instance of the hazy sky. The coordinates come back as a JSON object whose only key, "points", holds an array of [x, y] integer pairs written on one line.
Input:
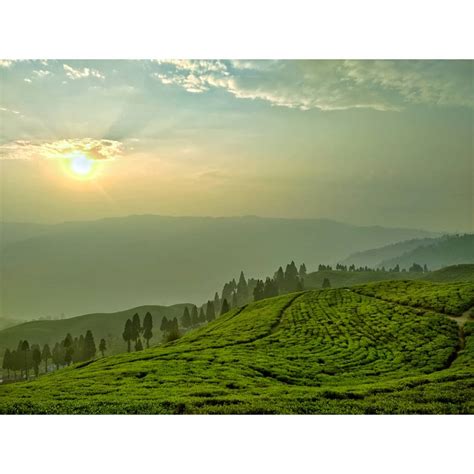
{"points": [[366, 142]]}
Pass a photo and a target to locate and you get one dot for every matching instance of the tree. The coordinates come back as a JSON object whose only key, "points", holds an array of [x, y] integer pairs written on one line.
{"points": [[425, 268], [127, 333], [45, 355], [68, 345], [102, 346], [138, 345], [7, 361], [210, 312], [186, 318], [242, 290], [89, 346], [25, 348], [302, 272], [258, 291], [147, 328], [235, 301], [56, 356], [36, 356], [326, 283], [270, 288], [136, 327], [164, 324], [416, 268], [217, 302], [202, 315], [194, 316], [225, 307]]}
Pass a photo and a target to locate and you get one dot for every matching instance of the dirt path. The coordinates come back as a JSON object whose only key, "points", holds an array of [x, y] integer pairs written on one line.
{"points": [[464, 318]]}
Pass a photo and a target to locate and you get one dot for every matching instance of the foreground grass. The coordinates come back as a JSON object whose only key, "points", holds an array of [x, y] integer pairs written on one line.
{"points": [[328, 351]]}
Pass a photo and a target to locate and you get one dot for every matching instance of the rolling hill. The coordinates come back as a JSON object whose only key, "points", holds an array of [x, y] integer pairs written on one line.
{"points": [[463, 272], [360, 350], [103, 325], [110, 264]]}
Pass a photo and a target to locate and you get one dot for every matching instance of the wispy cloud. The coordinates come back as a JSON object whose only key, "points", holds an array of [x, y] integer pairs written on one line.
{"points": [[40, 73], [81, 73], [5, 63], [327, 85], [9, 111], [94, 149]]}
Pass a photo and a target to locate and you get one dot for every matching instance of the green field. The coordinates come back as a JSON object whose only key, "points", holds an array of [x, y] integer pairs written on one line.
{"points": [[324, 351]]}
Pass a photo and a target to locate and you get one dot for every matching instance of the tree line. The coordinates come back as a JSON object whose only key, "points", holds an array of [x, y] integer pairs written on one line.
{"points": [[27, 358]]}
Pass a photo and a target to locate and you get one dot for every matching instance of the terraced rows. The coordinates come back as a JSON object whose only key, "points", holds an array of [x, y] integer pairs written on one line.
{"points": [[326, 351]]}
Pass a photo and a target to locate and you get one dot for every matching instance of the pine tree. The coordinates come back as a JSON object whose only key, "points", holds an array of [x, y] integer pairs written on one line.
{"points": [[45, 355], [164, 324], [280, 280], [25, 347], [217, 303], [136, 327], [147, 328], [242, 291], [89, 346], [56, 355], [258, 291], [186, 318], [127, 333], [102, 346], [194, 316], [235, 303], [7, 361], [210, 312], [225, 307], [326, 283], [36, 357], [302, 272], [202, 315], [138, 345]]}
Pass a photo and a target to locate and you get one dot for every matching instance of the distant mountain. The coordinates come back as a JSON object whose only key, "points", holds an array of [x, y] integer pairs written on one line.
{"points": [[451, 250], [373, 257], [103, 325], [105, 265]]}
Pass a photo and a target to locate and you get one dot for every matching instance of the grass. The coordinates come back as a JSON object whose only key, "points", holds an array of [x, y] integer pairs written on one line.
{"points": [[323, 351]]}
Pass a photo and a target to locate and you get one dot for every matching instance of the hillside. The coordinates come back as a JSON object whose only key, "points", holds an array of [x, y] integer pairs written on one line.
{"points": [[324, 351], [452, 273], [373, 257], [120, 262], [452, 250], [103, 325], [341, 278]]}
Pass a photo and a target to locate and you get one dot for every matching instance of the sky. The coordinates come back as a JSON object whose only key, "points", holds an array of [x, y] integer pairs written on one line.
{"points": [[365, 142]]}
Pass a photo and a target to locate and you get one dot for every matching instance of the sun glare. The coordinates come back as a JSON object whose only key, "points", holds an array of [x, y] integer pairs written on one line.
{"points": [[81, 166]]}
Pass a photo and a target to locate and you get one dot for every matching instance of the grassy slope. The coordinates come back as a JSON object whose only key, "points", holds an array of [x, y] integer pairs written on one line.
{"points": [[463, 272], [326, 351], [102, 325]]}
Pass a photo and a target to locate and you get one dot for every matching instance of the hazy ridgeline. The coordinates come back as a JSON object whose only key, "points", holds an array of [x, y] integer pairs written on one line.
{"points": [[111, 264]]}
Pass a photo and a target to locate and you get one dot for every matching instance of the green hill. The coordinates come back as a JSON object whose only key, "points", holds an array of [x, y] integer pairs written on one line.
{"points": [[323, 351], [103, 325], [464, 272]]}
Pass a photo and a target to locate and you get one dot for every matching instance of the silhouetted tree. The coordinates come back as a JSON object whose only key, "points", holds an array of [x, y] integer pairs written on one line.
{"points": [[235, 302], [36, 357], [89, 346], [242, 291], [45, 355], [25, 347], [225, 307], [416, 268], [7, 361], [127, 333], [258, 291], [302, 272], [56, 356], [194, 316], [138, 345], [210, 312], [136, 327], [270, 288], [147, 328], [202, 315], [164, 324], [102, 346], [326, 283], [217, 303], [186, 318]]}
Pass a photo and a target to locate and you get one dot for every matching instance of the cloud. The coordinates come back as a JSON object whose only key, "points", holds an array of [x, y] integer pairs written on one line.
{"points": [[94, 149], [26, 79], [327, 85], [9, 111], [5, 63], [40, 73], [74, 74]]}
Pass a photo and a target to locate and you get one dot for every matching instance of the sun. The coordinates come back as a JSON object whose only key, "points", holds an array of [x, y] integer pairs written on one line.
{"points": [[80, 166]]}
